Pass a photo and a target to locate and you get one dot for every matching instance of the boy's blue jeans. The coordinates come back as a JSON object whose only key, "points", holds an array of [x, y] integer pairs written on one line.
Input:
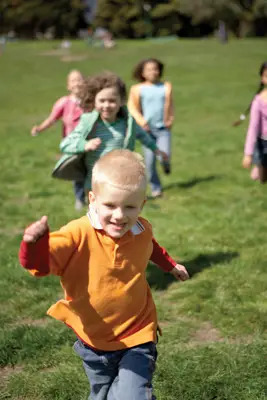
{"points": [[162, 138], [119, 375]]}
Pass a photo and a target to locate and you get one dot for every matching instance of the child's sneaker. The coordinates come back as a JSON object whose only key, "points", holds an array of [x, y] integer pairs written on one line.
{"points": [[79, 205], [156, 194], [166, 167]]}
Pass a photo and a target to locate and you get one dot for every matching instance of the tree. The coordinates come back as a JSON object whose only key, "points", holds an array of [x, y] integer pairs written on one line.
{"points": [[27, 17], [166, 18], [124, 18], [238, 16]]}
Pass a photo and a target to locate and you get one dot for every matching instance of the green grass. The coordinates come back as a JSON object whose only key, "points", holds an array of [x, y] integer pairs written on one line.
{"points": [[212, 218]]}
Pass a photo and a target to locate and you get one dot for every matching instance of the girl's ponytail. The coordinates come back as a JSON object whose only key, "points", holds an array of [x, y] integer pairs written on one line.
{"points": [[261, 86]]}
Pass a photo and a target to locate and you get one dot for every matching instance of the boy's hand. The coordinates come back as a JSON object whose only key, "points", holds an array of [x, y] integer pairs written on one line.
{"points": [[247, 161], [92, 144], [162, 154], [36, 230], [35, 130], [180, 272]]}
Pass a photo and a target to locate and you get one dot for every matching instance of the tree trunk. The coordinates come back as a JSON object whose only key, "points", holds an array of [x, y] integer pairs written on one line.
{"points": [[222, 32]]}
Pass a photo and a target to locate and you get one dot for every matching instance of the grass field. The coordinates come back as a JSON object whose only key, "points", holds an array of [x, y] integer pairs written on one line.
{"points": [[212, 218]]}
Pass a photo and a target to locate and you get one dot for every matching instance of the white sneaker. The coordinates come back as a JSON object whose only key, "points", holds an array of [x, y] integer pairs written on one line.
{"points": [[79, 205], [156, 194]]}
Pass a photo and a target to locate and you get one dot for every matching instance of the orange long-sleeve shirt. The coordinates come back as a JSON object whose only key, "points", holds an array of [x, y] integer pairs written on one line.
{"points": [[108, 302]]}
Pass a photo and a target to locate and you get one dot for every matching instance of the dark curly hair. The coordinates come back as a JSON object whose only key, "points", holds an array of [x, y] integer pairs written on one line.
{"points": [[94, 84], [138, 69]]}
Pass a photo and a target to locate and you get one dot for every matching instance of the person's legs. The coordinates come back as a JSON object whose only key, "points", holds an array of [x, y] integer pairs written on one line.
{"points": [[164, 144], [262, 151], [254, 174], [262, 174], [101, 369], [134, 380], [78, 188], [150, 161]]}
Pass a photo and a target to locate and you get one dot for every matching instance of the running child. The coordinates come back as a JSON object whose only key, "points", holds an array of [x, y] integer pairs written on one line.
{"points": [[68, 110], [255, 151], [151, 104], [101, 259], [106, 123]]}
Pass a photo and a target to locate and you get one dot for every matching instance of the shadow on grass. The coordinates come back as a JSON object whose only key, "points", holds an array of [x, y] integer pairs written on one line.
{"points": [[159, 280], [192, 182]]}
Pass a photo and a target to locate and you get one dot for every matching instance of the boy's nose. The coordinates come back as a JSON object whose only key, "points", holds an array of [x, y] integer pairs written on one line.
{"points": [[118, 214]]}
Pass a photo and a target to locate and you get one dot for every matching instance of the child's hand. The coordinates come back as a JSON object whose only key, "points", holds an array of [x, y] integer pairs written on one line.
{"points": [[162, 154], [180, 272], [247, 161], [92, 144], [36, 230], [145, 126], [34, 131], [168, 124]]}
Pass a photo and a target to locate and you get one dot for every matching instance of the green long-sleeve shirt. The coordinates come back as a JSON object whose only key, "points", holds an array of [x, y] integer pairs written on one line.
{"points": [[113, 136]]}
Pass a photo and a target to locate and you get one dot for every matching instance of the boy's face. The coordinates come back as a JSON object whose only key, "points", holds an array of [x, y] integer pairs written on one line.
{"points": [[75, 81], [117, 208], [108, 103]]}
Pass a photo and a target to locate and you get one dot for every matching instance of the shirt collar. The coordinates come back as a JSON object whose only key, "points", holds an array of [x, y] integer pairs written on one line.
{"points": [[93, 217]]}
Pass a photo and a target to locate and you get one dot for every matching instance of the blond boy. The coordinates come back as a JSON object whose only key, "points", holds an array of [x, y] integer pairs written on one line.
{"points": [[101, 259]]}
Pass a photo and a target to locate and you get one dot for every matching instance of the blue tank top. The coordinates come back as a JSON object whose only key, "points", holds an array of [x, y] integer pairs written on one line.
{"points": [[152, 102]]}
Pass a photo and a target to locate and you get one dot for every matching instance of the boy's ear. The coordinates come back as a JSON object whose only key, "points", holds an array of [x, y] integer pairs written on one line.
{"points": [[91, 197]]}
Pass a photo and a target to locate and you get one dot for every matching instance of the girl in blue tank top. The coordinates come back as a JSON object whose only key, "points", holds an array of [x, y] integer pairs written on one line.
{"points": [[151, 104]]}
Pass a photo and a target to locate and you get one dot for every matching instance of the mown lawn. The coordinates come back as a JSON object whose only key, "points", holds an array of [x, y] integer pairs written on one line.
{"points": [[212, 218]]}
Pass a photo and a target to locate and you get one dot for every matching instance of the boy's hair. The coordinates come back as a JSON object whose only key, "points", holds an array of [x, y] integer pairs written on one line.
{"points": [[121, 168], [138, 69], [94, 84], [242, 117]]}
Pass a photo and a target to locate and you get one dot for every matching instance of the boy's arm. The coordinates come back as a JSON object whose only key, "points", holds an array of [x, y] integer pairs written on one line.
{"points": [[43, 253], [161, 257]]}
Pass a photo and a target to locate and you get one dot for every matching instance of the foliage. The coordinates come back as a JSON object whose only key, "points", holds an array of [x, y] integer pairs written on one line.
{"points": [[27, 17], [134, 18]]}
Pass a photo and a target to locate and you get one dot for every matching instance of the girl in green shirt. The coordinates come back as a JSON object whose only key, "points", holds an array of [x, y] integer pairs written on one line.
{"points": [[106, 124]]}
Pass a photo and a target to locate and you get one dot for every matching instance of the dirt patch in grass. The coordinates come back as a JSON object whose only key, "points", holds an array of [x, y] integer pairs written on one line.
{"points": [[206, 333], [6, 372], [32, 322], [70, 58], [64, 55], [11, 232], [55, 52]]}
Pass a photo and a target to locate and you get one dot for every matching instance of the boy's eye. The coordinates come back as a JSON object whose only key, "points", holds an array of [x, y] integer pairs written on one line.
{"points": [[130, 207], [109, 205]]}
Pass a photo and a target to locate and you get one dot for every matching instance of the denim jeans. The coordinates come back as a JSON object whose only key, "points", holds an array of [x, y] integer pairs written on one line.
{"points": [[78, 188], [162, 138], [119, 375]]}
